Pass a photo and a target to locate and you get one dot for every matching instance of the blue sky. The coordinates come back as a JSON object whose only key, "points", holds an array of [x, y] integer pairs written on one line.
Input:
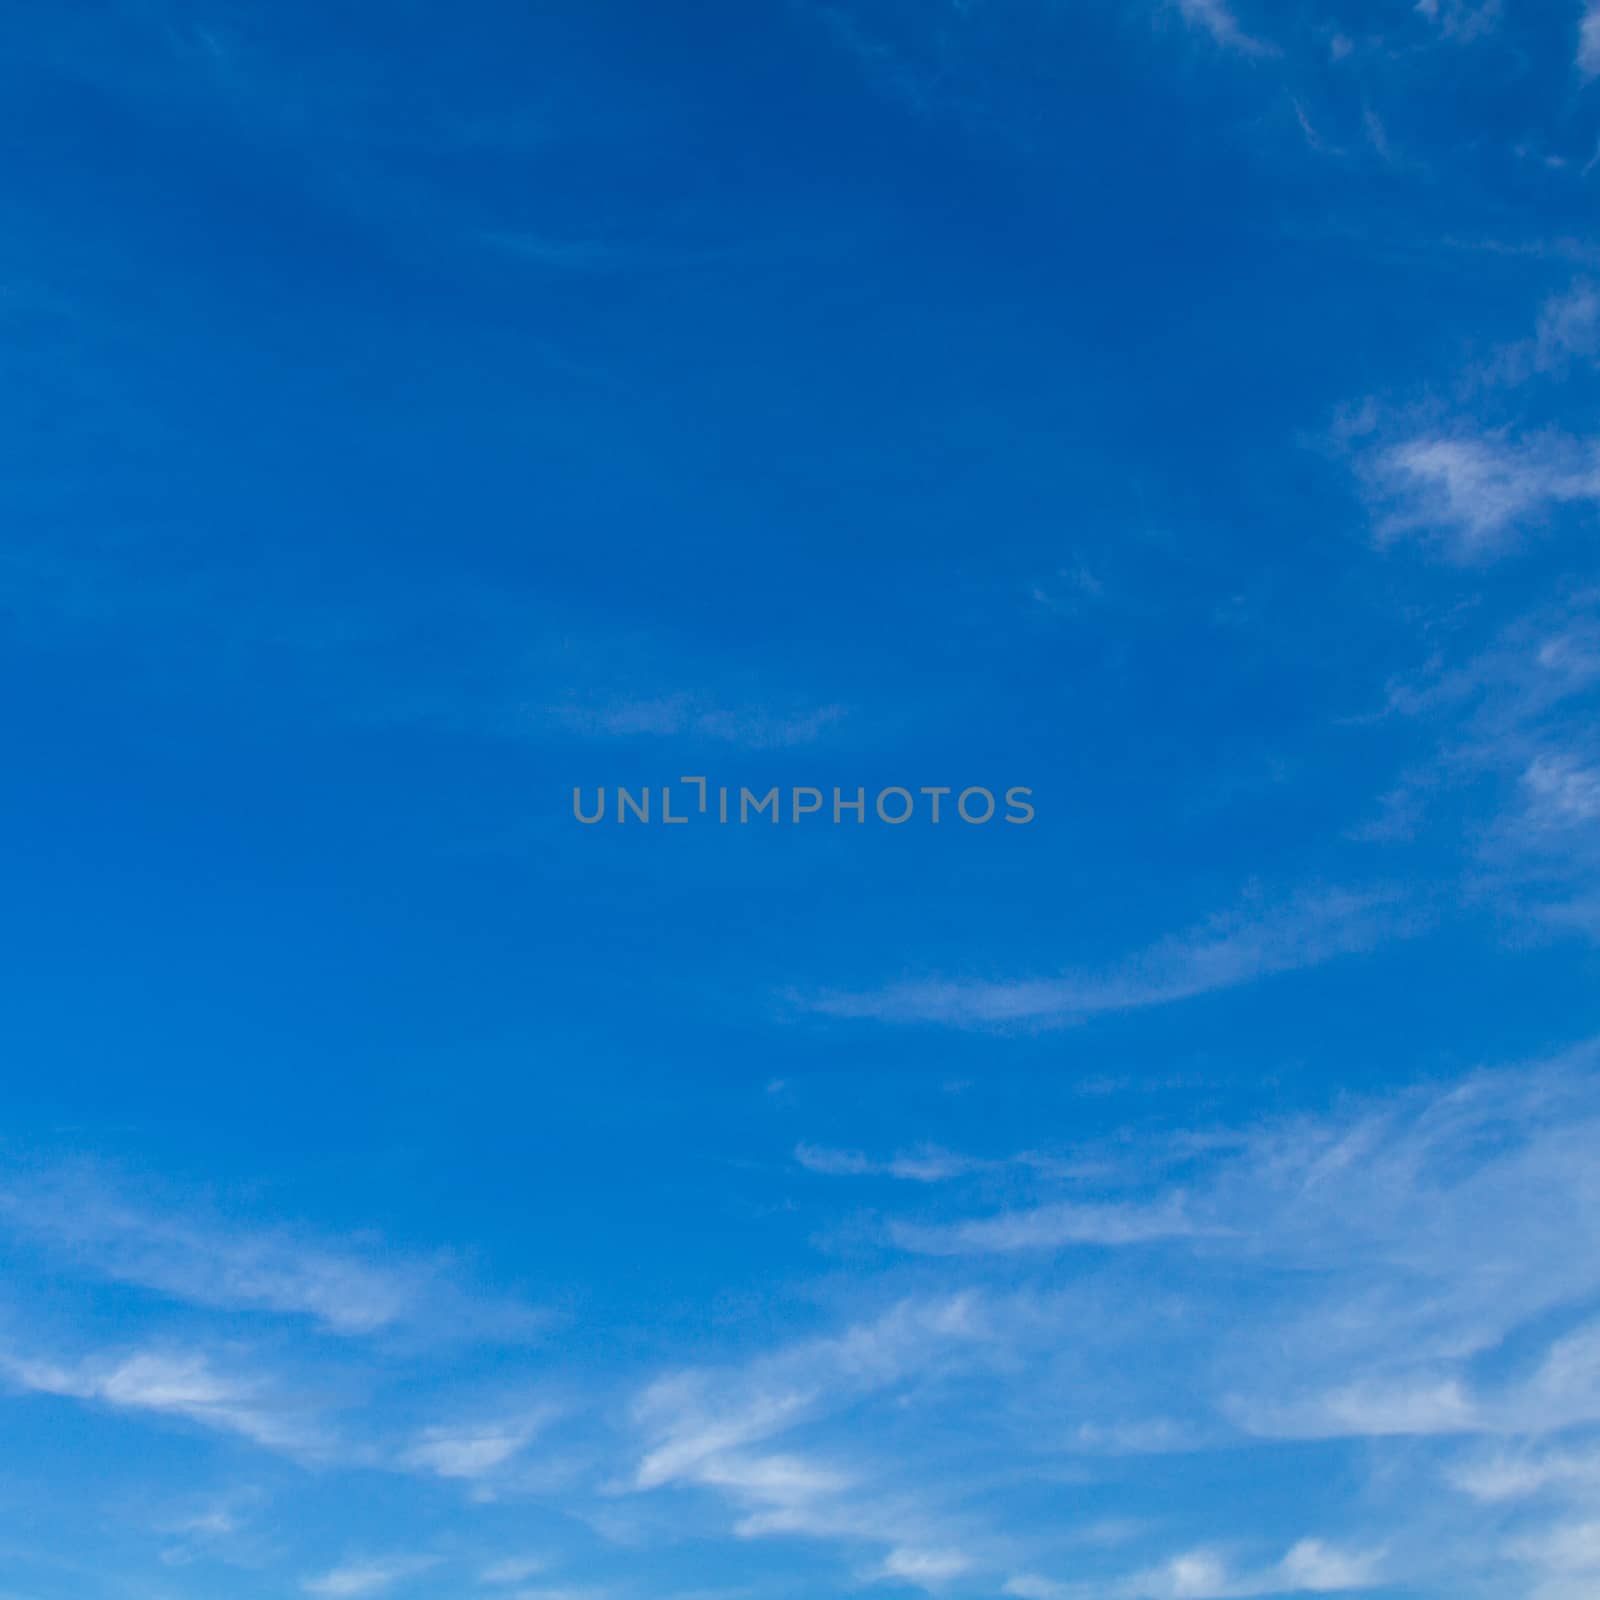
{"points": [[1186, 409]]}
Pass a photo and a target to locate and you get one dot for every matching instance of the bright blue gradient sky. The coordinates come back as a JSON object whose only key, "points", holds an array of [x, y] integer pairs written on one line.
{"points": [[1189, 409]]}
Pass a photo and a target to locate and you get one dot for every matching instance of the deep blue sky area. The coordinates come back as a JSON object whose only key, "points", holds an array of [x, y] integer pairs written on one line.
{"points": [[1187, 411]]}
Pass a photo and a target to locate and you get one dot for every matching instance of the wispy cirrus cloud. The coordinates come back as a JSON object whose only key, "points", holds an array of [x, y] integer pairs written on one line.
{"points": [[353, 1579], [1222, 953], [1589, 40], [1389, 1270], [281, 1402], [923, 1567], [1476, 493], [719, 1430], [924, 1166], [1475, 479], [750, 727], [1563, 792], [197, 1256], [1567, 332], [1427, 1228], [183, 1383], [1514, 723], [1051, 1227], [694, 1418], [1216, 18], [1519, 1472], [512, 1569], [1461, 20], [1566, 1558], [474, 1450], [1311, 1566]]}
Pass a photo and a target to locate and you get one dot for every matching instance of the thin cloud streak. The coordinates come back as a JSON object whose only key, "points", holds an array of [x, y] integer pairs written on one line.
{"points": [[748, 727], [1216, 18], [357, 1578], [180, 1383], [1310, 1567], [1224, 953], [924, 1166], [1356, 1275], [1589, 41], [1477, 493], [1051, 1227], [202, 1260]]}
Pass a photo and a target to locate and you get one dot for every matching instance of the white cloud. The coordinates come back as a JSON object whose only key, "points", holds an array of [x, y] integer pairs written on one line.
{"points": [[1223, 953], [1030, 1586], [1311, 1567], [1216, 18], [1050, 1227], [1476, 493], [834, 1163], [1567, 331], [1569, 326], [193, 1255], [924, 1166], [1389, 1246], [1562, 791], [1199, 1575], [1462, 20], [1435, 1226], [779, 1479], [1475, 484], [749, 727], [702, 1428], [207, 1264], [512, 1569], [213, 1519], [1519, 1474], [1515, 736], [472, 1450], [925, 1567], [1435, 1398], [357, 1578], [695, 1417], [1426, 1407], [695, 1433], [1569, 1549], [1358, 1275], [178, 1383], [1589, 40]]}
